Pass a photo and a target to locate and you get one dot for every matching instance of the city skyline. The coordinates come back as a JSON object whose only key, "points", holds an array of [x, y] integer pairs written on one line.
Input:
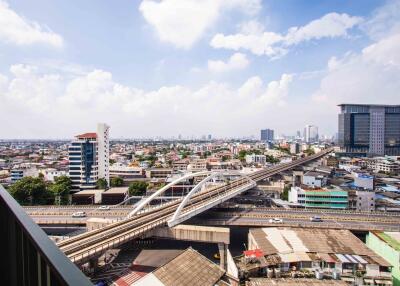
{"points": [[229, 70]]}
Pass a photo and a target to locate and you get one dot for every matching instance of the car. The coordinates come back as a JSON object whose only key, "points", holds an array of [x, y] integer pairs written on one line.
{"points": [[315, 219], [79, 214], [276, 220], [104, 208]]}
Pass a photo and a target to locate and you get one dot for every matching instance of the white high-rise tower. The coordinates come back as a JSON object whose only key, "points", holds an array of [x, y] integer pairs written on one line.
{"points": [[103, 151]]}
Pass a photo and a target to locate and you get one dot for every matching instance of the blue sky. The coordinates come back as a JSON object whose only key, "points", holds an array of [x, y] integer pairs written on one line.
{"points": [[163, 68]]}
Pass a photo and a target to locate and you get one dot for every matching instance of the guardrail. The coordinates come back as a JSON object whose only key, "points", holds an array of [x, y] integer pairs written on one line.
{"points": [[362, 227], [29, 257]]}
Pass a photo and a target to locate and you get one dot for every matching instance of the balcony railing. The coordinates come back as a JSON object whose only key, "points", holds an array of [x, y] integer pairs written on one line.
{"points": [[29, 257]]}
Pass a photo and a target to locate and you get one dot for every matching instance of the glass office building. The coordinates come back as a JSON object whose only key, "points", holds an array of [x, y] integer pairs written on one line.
{"points": [[369, 129]]}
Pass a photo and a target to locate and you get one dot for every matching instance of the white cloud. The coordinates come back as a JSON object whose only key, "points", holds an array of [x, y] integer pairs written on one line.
{"points": [[21, 31], [183, 22], [329, 26], [372, 76], [385, 21], [64, 104], [236, 62], [253, 37]]}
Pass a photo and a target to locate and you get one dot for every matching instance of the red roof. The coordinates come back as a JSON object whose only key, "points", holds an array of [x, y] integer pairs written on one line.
{"points": [[253, 253], [88, 135]]}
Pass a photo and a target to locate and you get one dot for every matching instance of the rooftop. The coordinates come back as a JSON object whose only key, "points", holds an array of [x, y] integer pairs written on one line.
{"points": [[188, 268], [117, 190], [376, 105], [293, 282], [89, 135], [302, 243]]}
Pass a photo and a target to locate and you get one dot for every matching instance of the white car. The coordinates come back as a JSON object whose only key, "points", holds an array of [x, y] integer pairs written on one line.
{"points": [[104, 208], [315, 219], [276, 220], [79, 214]]}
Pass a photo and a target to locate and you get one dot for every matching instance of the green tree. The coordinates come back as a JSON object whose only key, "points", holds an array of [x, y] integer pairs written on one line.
{"points": [[285, 193], [116, 182], [137, 188], [242, 154], [31, 191], [271, 159], [60, 189], [102, 184], [309, 152]]}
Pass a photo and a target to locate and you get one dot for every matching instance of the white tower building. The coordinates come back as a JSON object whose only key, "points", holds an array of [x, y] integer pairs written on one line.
{"points": [[103, 151]]}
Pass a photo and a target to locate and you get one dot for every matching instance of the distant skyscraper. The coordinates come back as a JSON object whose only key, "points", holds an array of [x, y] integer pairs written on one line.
{"points": [[311, 133], [267, 135], [89, 158], [209, 137], [369, 129]]}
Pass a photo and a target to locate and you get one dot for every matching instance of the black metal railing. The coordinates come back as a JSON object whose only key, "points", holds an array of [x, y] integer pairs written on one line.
{"points": [[27, 255]]}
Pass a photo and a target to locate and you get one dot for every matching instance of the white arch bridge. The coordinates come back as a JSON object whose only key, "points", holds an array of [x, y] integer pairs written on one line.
{"points": [[239, 184]]}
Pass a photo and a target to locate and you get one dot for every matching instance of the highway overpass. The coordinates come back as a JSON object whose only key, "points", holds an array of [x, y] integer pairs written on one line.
{"points": [[84, 247]]}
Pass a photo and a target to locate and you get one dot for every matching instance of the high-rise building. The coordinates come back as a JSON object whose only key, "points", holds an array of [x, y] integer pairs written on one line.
{"points": [[267, 135], [369, 129], [103, 151], [311, 133], [89, 158]]}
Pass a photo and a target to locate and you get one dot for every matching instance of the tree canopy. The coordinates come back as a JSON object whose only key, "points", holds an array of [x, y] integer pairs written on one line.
{"points": [[137, 188], [31, 191], [102, 184], [116, 182]]}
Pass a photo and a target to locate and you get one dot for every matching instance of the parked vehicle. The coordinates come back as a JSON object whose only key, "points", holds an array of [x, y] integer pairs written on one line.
{"points": [[104, 208]]}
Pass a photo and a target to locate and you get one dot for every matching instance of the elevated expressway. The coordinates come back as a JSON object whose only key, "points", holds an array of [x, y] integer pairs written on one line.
{"points": [[82, 248]]}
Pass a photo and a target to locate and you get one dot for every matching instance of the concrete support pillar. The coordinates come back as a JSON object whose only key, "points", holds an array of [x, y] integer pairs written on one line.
{"points": [[222, 247], [93, 264]]}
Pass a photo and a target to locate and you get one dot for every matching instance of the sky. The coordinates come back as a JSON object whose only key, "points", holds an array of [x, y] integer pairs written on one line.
{"points": [[163, 68]]}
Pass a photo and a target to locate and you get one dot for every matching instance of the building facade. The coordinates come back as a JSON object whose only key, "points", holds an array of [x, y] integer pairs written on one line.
{"points": [[256, 159], [369, 129], [267, 135], [332, 197], [311, 134], [387, 245], [89, 158]]}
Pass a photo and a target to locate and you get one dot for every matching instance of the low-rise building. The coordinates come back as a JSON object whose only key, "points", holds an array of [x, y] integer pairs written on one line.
{"points": [[294, 252], [20, 172], [126, 172], [87, 197], [365, 201], [197, 165], [294, 148], [50, 174], [180, 165], [256, 159], [114, 196], [315, 179], [158, 173], [363, 180], [331, 197], [330, 161], [387, 245]]}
